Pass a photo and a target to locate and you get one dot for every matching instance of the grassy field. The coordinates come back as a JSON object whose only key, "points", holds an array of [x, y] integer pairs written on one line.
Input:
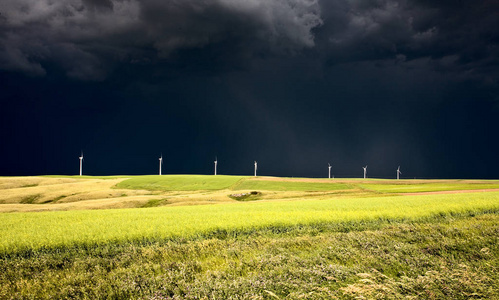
{"points": [[445, 257], [55, 193], [406, 186], [180, 182], [67, 193], [21, 231], [271, 185], [301, 239]]}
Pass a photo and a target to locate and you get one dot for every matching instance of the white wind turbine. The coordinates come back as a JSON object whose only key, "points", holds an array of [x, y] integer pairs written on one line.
{"points": [[160, 163], [256, 167], [329, 167], [81, 163], [365, 171], [398, 173], [216, 162]]}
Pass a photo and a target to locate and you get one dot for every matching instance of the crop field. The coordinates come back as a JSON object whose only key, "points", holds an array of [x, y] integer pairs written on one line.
{"points": [[180, 182], [417, 187], [269, 185], [188, 237]]}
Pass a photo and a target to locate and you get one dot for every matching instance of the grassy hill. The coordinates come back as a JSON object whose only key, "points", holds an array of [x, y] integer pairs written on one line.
{"points": [[105, 192], [180, 182]]}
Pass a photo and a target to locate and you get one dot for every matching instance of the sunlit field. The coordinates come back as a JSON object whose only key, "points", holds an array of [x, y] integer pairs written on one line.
{"points": [[188, 237], [274, 185], [21, 231], [181, 182], [417, 186]]}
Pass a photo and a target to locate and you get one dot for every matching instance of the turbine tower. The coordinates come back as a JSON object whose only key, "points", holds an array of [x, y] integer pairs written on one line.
{"points": [[398, 173], [216, 162], [365, 171], [329, 167], [160, 163], [256, 167], [81, 163]]}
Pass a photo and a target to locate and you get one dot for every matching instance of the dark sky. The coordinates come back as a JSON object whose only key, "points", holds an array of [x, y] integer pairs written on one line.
{"points": [[293, 84]]}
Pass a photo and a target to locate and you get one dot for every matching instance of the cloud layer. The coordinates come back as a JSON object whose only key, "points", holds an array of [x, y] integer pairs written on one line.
{"points": [[458, 37], [85, 38]]}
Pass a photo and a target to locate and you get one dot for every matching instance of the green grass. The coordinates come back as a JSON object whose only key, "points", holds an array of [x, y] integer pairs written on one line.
{"points": [[289, 186], [89, 176], [180, 182], [408, 187], [316, 246], [21, 231], [208, 182], [441, 258]]}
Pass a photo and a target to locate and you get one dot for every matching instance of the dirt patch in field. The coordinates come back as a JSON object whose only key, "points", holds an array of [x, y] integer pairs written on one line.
{"points": [[450, 192]]}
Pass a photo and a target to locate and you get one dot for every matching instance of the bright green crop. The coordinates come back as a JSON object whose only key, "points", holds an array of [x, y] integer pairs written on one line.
{"points": [[21, 231]]}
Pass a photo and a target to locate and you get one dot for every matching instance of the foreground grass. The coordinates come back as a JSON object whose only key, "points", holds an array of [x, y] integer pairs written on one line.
{"points": [[324, 242], [444, 257], [21, 231]]}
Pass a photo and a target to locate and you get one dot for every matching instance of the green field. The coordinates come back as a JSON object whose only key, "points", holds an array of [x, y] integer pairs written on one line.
{"points": [[21, 231], [207, 182], [290, 186], [302, 239], [180, 182], [418, 186]]}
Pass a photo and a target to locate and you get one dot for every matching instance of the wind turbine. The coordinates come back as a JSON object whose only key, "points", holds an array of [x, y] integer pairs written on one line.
{"points": [[216, 162], [160, 163], [81, 163], [256, 167], [329, 167], [398, 173], [365, 171]]}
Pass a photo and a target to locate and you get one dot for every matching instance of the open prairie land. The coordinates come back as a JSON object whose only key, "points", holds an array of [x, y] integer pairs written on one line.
{"points": [[235, 237]]}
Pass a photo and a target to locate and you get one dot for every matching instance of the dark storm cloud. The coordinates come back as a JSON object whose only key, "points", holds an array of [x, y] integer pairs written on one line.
{"points": [[87, 38], [451, 36], [98, 4]]}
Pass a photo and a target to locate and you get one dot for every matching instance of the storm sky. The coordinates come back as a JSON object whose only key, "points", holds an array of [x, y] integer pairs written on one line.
{"points": [[292, 84]]}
